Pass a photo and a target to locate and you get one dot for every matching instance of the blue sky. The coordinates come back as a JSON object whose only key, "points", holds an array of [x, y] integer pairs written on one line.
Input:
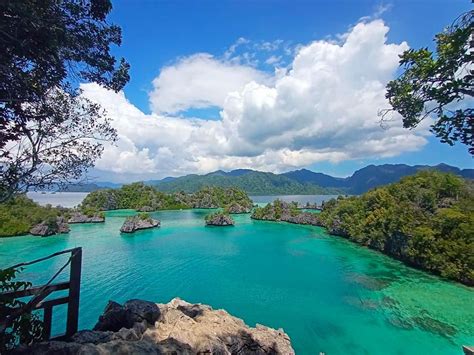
{"points": [[167, 34]]}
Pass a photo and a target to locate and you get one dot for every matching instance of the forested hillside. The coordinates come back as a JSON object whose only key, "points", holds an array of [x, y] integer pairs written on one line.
{"points": [[304, 182]]}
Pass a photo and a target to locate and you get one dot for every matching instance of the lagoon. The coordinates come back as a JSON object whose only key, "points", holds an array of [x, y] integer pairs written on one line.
{"points": [[327, 293]]}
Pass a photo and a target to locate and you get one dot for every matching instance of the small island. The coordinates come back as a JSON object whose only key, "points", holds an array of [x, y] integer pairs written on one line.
{"points": [[220, 219], [281, 211], [141, 221], [145, 198]]}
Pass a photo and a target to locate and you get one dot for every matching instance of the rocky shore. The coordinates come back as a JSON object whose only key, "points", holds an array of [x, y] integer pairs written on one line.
{"points": [[286, 212], [138, 222], [50, 227], [236, 208], [177, 327], [78, 217]]}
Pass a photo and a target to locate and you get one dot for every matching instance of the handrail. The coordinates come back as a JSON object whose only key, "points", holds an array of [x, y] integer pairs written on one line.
{"points": [[39, 294], [42, 259]]}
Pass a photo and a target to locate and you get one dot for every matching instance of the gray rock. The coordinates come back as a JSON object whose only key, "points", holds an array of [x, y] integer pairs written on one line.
{"points": [[209, 331], [47, 228], [219, 219], [92, 337], [142, 310], [177, 327], [288, 212], [78, 217], [336, 228], [236, 208], [114, 318], [135, 223], [130, 315]]}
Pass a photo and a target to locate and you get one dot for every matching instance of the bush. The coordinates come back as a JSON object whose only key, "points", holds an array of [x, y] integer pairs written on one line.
{"points": [[19, 214]]}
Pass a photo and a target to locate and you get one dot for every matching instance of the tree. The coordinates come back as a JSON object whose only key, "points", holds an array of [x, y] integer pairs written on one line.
{"points": [[439, 86], [48, 132], [58, 146]]}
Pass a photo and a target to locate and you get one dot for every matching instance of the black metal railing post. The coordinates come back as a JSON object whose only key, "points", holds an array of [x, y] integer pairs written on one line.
{"points": [[74, 293]]}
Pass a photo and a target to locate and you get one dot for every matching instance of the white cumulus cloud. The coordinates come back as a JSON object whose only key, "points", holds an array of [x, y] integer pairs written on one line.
{"points": [[324, 107], [199, 81]]}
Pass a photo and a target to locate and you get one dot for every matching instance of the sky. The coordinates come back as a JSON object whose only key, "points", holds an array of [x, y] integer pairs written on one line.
{"points": [[267, 85]]}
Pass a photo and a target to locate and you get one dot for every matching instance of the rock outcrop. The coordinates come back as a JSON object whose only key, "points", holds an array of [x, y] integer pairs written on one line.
{"points": [[236, 208], [286, 212], [303, 218], [50, 227], [219, 219], [336, 228], [135, 223], [145, 209], [177, 327], [78, 217]]}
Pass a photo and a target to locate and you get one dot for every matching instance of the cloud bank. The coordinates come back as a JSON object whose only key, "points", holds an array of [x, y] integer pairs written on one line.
{"points": [[322, 107]]}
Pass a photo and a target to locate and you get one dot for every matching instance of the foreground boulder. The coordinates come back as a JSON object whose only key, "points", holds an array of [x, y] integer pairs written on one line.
{"points": [[142, 221], [78, 217], [177, 327], [50, 227], [219, 219]]}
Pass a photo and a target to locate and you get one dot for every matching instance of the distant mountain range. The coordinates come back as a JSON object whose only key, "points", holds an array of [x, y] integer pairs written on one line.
{"points": [[298, 182]]}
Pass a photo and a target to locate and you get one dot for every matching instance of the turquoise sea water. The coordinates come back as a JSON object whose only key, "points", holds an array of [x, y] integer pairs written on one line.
{"points": [[325, 292]]}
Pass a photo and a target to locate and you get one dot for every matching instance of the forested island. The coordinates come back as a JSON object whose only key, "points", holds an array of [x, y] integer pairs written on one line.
{"points": [[426, 221], [146, 198]]}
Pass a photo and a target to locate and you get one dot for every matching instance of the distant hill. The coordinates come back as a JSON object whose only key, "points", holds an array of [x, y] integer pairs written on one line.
{"points": [[253, 182], [303, 181], [371, 176], [298, 182]]}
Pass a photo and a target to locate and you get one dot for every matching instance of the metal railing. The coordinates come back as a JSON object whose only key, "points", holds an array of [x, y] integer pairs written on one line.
{"points": [[40, 293]]}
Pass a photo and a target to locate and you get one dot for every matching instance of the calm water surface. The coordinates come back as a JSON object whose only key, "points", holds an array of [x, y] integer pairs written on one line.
{"points": [[325, 292], [65, 199]]}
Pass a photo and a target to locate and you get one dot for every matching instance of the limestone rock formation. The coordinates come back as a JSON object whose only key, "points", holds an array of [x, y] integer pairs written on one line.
{"points": [[219, 219], [78, 217], [145, 209], [236, 208], [286, 212], [50, 227], [135, 223], [178, 327]]}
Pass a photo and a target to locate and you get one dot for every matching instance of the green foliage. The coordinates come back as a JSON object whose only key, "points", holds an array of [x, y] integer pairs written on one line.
{"points": [[276, 210], [20, 213], [144, 216], [50, 133], [139, 196], [425, 220], [431, 84], [26, 328], [216, 214]]}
